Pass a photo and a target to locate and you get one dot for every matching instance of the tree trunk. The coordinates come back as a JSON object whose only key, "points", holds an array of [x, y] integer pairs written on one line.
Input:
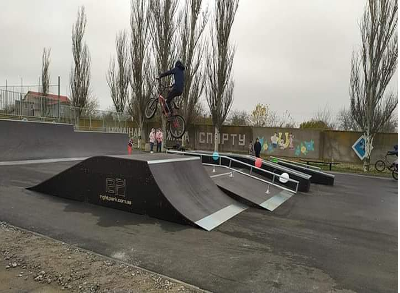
{"points": [[164, 131], [368, 150], [216, 140]]}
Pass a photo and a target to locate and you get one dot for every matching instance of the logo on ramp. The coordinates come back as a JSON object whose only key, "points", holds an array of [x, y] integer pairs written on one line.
{"points": [[115, 189]]}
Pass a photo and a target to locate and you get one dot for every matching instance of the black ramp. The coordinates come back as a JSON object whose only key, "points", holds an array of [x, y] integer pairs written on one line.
{"points": [[161, 186], [190, 190], [256, 192]]}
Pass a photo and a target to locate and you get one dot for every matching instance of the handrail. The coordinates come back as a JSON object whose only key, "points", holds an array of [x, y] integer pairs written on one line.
{"points": [[242, 163], [297, 163], [248, 175]]}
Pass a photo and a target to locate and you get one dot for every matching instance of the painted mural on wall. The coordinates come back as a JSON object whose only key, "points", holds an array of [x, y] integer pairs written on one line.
{"points": [[286, 141]]}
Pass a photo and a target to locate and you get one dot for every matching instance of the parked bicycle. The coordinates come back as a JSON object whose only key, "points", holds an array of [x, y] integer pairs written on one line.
{"points": [[395, 174], [381, 165], [175, 122]]}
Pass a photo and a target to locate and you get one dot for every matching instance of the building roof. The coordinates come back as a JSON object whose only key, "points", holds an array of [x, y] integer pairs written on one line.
{"points": [[63, 99]]}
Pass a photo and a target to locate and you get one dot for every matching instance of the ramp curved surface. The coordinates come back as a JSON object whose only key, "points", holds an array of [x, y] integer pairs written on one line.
{"points": [[161, 186]]}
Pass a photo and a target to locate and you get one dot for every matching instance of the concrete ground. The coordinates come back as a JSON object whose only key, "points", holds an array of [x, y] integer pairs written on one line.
{"points": [[332, 239]]}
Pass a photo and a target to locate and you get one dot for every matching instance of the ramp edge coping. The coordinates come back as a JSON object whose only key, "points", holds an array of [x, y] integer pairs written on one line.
{"points": [[151, 162], [272, 203], [211, 221], [40, 161]]}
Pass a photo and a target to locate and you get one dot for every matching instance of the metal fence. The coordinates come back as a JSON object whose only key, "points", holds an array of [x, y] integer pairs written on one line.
{"points": [[16, 105]]}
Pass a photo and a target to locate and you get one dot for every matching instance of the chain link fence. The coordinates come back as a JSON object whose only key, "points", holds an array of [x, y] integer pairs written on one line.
{"points": [[33, 106]]}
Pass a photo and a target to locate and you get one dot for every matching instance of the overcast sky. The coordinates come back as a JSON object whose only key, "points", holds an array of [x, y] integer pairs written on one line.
{"points": [[293, 55]]}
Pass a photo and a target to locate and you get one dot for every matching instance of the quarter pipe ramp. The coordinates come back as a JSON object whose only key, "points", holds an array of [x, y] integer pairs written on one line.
{"points": [[162, 186]]}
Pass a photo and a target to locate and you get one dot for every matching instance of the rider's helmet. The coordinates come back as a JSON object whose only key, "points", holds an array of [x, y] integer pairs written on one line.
{"points": [[180, 65]]}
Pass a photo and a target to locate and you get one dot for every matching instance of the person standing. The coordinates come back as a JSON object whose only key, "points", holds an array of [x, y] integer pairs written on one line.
{"points": [[159, 138], [130, 145], [251, 148], [257, 148], [152, 139]]}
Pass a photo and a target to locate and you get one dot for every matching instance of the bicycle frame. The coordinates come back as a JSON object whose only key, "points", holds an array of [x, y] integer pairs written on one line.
{"points": [[161, 100]]}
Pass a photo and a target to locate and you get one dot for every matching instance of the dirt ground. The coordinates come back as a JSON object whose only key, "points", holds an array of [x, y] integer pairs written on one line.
{"points": [[33, 263]]}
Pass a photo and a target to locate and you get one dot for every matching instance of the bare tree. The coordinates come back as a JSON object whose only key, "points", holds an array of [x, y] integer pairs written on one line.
{"points": [[45, 71], [239, 118], [192, 51], [80, 71], [91, 107], [141, 68], [45, 81], [118, 79], [164, 26], [325, 115], [372, 69], [219, 64], [286, 120], [345, 121]]}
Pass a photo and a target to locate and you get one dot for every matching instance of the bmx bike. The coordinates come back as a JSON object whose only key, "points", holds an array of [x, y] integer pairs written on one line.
{"points": [[175, 123], [381, 165]]}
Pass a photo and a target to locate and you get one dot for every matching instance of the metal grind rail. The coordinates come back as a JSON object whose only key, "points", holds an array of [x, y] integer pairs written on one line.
{"points": [[298, 163], [274, 175]]}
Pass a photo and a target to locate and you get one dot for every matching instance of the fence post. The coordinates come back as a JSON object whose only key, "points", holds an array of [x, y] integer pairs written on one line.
{"points": [[58, 98]]}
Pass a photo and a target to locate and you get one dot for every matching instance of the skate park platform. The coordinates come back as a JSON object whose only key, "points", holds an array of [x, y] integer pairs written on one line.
{"points": [[161, 186]]}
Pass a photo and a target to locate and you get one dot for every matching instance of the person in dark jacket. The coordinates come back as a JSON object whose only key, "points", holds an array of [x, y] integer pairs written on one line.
{"points": [[177, 88], [257, 148]]}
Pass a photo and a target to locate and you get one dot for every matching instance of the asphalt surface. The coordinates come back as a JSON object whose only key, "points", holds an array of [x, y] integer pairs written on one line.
{"points": [[340, 238]]}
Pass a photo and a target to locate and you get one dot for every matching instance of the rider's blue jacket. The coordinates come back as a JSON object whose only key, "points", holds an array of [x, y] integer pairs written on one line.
{"points": [[177, 71]]}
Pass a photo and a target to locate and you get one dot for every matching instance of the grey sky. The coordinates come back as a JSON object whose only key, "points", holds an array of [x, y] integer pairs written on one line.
{"points": [[293, 55]]}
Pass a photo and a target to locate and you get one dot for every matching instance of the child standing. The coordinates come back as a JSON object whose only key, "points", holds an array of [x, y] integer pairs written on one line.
{"points": [[159, 138], [152, 139]]}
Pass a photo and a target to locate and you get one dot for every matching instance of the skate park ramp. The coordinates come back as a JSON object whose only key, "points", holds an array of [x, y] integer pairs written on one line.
{"points": [[23, 140], [163, 186], [269, 171], [317, 176], [250, 189]]}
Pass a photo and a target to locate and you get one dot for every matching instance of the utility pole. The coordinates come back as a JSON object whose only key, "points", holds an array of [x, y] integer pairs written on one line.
{"points": [[59, 98]]}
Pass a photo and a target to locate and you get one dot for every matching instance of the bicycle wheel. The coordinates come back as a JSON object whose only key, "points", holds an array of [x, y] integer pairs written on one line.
{"points": [[380, 166], [151, 108], [395, 174], [177, 126]]}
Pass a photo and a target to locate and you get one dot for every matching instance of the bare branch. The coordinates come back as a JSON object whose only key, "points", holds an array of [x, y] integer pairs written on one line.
{"points": [[45, 71], [192, 48], [118, 81], [219, 62], [141, 67], [80, 71]]}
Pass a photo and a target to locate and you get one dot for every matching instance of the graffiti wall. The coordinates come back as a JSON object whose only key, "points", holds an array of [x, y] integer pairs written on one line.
{"points": [[337, 145], [231, 138], [288, 142]]}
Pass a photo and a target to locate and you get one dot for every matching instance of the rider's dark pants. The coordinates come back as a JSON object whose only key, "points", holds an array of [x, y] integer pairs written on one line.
{"points": [[171, 95]]}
